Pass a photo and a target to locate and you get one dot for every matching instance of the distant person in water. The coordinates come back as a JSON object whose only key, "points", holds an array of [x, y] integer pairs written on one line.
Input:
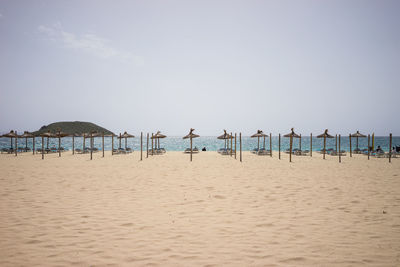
{"points": [[204, 149]]}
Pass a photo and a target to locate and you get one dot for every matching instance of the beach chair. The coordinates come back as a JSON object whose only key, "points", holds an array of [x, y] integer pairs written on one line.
{"points": [[380, 154], [223, 151], [255, 151], [264, 152], [7, 150], [195, 150], [159, 151], [304, 152]]}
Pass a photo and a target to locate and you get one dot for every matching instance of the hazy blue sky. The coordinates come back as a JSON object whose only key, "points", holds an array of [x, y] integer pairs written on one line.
{"points": [[210, 65]]}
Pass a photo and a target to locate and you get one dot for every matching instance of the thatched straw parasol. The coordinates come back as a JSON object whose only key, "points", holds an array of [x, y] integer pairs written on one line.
{"points": [[60, 134], [325, 135], [27, 135], [225, 137], [126, 136], [258, 135], [12, 135], [291, 135], [191, 135], [91, 135], [48, 135], [158, 136], [357, 135]]}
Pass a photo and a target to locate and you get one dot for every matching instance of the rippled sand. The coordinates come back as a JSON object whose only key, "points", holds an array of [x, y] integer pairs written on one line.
{"points": [[215, 211]]}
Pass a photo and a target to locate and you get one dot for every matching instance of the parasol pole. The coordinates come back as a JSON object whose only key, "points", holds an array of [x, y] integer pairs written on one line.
{"points": [[270, 144], [390, 148], [240, 143], [152, 144], [290, 148], [340, 155], [16, 143], [279, 146], [191, 150], [141, 145], [350, 145], [91, 145], [42, 147]]}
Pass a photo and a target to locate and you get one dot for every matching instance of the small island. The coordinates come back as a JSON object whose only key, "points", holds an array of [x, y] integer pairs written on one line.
{"points": [[72, 127]]}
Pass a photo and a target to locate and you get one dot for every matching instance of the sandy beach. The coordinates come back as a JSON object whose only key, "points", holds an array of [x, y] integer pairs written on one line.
{"points": [[214, 211]]}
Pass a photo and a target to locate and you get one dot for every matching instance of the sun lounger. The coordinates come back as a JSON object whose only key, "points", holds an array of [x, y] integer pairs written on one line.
{"points": [[264, 152], [194, 150], [7, 150], [94, 150], [380, 154], [222, 151], [159, 151], [304, 152], [254, 151]]}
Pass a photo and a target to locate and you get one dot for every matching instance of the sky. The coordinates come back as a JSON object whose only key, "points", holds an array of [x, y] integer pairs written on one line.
{"points": [[209, 65]]}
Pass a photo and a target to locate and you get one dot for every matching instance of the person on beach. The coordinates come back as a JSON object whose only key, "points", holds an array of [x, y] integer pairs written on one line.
{"points": [[204, 149]]}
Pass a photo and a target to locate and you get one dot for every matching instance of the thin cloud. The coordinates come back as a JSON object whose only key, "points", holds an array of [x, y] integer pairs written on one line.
{"points": [[90, 43]]}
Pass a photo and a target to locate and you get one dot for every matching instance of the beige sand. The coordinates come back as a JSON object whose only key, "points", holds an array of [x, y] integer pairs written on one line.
{"points": [[215, 211]]}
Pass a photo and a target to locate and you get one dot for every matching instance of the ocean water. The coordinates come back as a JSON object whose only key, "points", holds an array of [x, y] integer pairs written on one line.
{"points": [[210, 142]]}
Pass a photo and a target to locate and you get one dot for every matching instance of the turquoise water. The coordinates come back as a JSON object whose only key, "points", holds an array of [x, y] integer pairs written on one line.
{"points": [[210, 142]]}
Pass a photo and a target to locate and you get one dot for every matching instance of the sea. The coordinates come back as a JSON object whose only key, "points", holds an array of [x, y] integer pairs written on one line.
{"points": [[211, 143]]}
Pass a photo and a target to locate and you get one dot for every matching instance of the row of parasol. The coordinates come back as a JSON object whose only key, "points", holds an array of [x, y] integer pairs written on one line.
{"points": [[59, 134], [259, 134]]}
